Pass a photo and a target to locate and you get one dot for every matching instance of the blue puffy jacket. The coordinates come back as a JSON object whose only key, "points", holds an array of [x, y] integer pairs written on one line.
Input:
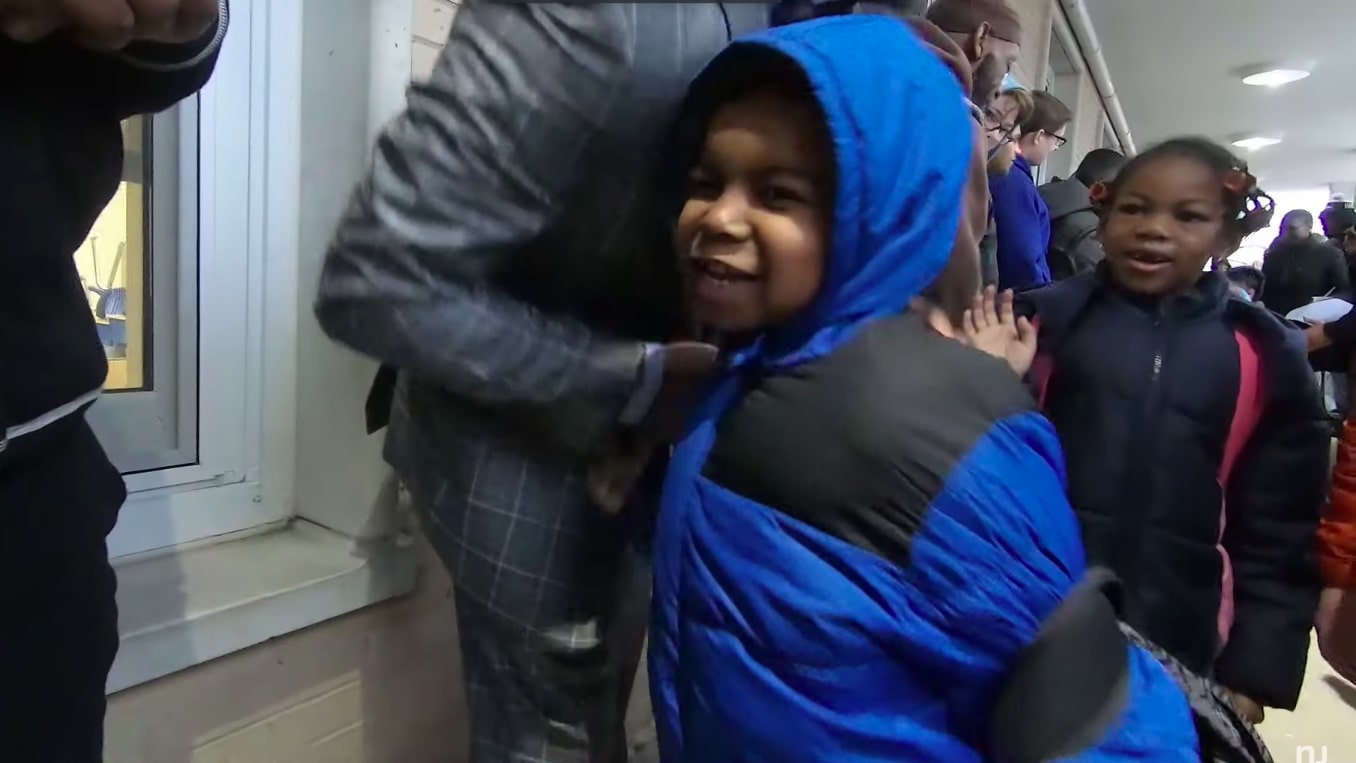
{"points": [[865, 530]]}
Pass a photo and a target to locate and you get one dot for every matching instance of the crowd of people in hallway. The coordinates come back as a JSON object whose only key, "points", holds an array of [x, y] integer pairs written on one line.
{"points": [[748, 329]]}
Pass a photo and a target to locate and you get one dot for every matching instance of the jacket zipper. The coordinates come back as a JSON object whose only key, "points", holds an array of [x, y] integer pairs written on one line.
{"points": [[1138, 487]]}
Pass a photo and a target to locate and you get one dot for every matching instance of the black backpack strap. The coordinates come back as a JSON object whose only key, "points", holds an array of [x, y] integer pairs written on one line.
{"points": [[1071, 684], [1065, 240], [1225, 737]]}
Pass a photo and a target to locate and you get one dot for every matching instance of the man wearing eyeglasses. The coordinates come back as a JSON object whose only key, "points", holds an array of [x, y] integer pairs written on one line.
{"points": [[76, 69], [1003, 128]]}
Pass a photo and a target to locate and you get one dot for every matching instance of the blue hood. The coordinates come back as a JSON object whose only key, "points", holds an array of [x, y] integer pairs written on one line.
{"points": [[902, 137]]}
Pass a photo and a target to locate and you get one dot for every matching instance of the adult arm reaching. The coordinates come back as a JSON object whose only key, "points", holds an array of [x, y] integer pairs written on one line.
{"points": [[461, 184]]}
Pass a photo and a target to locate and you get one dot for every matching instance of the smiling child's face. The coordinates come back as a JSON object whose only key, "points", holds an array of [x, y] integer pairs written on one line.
{"points": [[755, 227], [1166, 223]]}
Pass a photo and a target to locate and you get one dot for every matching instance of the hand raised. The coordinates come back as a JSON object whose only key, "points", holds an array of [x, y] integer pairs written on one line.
{"points": [[991, 326]]}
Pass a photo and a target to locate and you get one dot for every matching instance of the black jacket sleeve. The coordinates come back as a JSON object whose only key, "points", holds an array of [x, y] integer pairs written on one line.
{"points": [[1274, 499], [1342, 331], [144, 78], [147, 78], [1336, 267]]}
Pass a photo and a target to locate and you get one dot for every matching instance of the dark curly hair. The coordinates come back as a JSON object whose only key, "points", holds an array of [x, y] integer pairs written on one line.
{"points": [[1248, 209]]}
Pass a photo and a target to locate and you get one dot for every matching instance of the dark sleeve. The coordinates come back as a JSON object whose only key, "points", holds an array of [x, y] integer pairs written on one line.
{"points": [[1342, 331], [1338, 279], [1273, 503], [143, 78]]}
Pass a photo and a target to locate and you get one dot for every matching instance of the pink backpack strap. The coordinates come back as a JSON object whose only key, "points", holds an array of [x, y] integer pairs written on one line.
{"points": [[1248, 408], [1247, 412], [1042, 367]]}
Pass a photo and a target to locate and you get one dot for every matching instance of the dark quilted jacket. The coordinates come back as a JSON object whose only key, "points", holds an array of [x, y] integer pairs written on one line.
{"points": [[1142, 395]]}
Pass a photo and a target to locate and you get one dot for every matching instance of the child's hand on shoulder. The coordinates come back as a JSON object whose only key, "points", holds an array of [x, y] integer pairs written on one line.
{"points": [[991, 326]]}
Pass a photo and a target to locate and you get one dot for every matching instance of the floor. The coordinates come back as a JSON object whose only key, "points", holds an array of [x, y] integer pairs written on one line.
{"points": [[1324, 722], [640, 724]]}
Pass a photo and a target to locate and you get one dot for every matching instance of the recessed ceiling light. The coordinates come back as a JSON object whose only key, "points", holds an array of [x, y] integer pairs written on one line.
{"points": [[1275, 77], [1256, 142]]}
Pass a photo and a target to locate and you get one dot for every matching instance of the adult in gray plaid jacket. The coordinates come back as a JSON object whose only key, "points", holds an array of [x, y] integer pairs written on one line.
{"points": [[505, 254]]}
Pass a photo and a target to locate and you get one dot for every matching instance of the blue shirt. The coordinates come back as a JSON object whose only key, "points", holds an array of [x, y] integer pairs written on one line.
{"points": [[1023, 223]]}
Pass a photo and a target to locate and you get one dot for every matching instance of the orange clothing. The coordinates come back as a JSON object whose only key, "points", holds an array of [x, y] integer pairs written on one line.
{"points": [[1337, 533]]}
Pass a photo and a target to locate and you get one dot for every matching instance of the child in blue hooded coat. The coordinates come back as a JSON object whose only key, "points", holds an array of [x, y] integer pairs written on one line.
{"points": [[864, 552]]}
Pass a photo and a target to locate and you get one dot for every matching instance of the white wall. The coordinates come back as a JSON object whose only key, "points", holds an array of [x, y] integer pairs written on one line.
{"points": [[1074, 86], [1034, 62], [432, 19]]}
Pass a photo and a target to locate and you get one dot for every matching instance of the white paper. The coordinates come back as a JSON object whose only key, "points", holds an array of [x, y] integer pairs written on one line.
{"points": [[1322, 311]]}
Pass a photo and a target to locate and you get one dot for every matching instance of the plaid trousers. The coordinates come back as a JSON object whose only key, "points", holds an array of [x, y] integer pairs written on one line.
{"points": [[551, 605]]}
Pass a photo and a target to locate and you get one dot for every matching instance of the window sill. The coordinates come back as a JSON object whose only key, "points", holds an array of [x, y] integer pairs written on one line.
{"points": [[189, 606]]}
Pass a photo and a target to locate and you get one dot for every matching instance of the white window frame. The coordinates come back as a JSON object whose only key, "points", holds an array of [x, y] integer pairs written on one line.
{"points": [[223, 178], [156, 428], [304, 525]]}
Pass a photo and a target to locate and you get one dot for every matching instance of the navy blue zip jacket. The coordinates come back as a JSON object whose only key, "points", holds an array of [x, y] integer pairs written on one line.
{"points": [[1143, 393]]}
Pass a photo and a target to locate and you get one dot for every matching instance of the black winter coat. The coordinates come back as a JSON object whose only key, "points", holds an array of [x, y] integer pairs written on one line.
{"points": [[61, 148], [1142, 395], [1297, 272]]}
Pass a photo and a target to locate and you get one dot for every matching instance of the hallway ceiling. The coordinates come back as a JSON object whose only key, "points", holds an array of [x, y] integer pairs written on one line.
{"points": [[1173, 65]]}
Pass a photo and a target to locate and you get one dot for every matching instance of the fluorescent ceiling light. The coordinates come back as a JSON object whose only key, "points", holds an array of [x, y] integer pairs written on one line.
{"points": [[1275, 77], [1256, 142]]}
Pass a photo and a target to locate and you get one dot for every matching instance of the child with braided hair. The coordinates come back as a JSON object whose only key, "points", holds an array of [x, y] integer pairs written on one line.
{"points": [[1195, 443]]}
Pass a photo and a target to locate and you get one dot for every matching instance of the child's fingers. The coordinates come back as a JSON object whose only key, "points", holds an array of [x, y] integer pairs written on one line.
{"points": [[968, 324], [976, 311], [1005, 307], [1026, 332], [990, 299]]}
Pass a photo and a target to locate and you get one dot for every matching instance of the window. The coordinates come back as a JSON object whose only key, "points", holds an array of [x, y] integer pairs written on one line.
{"points": [[174, 269], [113, 268], [136, 266]]}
